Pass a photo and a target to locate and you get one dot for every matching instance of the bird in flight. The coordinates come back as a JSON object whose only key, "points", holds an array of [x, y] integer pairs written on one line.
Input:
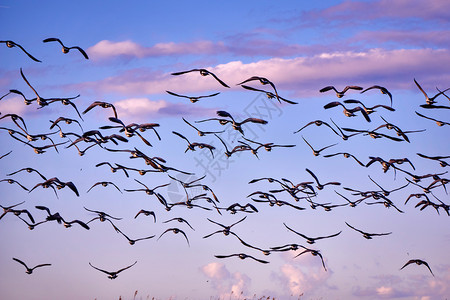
{"points": [[66, 49], [269, 95], [131, 241], [340, 94], [113, 275], [348, 112], [366, 234], [319, 185], [311, 240], [314, 253], [418, 262], [429, 100], [264, 81], [101, 104], [181, 220], [191, 146], [11, 44], [382, 89], [104, 184], [317, 123], [242, 256], [30, 270], [175, 230], [438, 122], [226, 229], [202, 72], [368, 110], [202, 133], [193, 99], [146, 213], [236, 125], [317, 152]]}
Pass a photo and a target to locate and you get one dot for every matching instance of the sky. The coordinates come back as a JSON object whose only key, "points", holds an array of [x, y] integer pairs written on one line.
{"points": [[133, 50]]}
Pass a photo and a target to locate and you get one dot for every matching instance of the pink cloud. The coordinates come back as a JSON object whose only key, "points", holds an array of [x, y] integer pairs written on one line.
{"points": [[237, 45], [14, 104], [303, 274], [226, 284], [108, 49], [216, 271], [252, 45], [440, 38], [240, 285], [369, 10], [300, 75], [300, 280]]}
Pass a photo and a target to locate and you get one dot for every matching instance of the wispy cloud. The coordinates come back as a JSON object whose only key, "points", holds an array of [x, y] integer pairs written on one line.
{"points": [[394, 9], [237, 45], [108, 49], [259, 46], [420, 38], [412, 286], [300, 75]]}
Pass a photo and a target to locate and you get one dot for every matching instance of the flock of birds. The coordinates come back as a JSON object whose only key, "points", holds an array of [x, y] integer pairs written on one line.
{"points": [[113, 138]]}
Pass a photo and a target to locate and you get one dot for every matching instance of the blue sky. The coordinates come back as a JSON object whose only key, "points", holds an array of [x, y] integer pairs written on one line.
{"points": [[301, 48]]}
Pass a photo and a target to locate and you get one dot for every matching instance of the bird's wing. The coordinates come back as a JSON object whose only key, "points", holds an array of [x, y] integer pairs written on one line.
{"points": [[183, 72], [21, 262], [220, 81], [81, 51], [327, 88], [29, 55], [109, 273], [177, 95], [53, 40], [42, 265]]}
